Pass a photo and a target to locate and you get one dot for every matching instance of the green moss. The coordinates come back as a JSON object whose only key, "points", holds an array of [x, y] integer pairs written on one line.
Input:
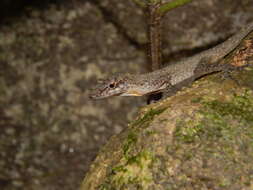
{"points": [[106, 186], [190, 130], [129, 142], [143, 122], [134, 170], [149, 116], [218, 119], [222, 131], [240, 107], [196, 100], [150, 132], [134, 167]]}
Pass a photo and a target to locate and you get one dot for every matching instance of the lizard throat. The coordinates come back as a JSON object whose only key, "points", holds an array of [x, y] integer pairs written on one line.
{"points": [[132, 93]]}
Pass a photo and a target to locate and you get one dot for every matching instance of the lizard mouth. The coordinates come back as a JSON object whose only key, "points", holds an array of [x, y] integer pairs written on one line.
{"points": [[97, 97], [137, 93]]}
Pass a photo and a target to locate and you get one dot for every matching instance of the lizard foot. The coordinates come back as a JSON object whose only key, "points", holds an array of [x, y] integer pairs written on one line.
{"points": [[227, 74], [153, 98]]}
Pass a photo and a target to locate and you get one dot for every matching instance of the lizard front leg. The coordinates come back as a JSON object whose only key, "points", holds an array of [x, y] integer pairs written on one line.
{"points": [[172, 90]]}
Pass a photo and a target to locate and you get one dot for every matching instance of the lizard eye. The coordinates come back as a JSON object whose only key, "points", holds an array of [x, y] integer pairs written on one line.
{"points": [[112, 85]]}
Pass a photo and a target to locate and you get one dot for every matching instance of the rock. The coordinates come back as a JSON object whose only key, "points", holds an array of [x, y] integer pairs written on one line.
{"points": [[201, 138]]}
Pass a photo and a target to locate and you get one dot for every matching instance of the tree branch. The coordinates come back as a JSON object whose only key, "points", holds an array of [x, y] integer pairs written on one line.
{"points": [[171, 5]]}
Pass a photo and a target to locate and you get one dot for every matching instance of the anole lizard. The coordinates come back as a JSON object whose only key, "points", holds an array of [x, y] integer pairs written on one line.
{"points": [[173, 75]]}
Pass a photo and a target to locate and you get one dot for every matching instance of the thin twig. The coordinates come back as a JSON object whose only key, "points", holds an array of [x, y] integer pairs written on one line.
{"points": [[154, 34], [171, 5]]}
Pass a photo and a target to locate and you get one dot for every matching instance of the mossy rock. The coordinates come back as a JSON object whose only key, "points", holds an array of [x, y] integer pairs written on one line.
{"points": [[200, 138]]}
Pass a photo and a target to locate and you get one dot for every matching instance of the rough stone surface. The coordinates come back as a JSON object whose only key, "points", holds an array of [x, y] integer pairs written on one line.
{"points": [[200, 138], [49, 130]]}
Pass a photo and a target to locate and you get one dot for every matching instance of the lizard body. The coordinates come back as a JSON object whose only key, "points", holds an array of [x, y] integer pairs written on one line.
{"points": [[171, 76]]}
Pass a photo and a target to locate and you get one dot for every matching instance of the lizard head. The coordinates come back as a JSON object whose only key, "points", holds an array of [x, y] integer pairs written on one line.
{"points": [[114, 86], [126, 85]]}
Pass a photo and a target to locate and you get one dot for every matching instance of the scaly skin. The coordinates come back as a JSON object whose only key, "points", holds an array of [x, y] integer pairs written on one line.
{"points": [[172, 75]]}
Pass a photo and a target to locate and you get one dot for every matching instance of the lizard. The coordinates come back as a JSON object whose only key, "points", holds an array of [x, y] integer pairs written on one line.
{"points": [[173, 76]]}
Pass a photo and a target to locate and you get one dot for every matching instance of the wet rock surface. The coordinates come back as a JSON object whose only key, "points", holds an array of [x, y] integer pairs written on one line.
{"points": [[49, 129]]}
